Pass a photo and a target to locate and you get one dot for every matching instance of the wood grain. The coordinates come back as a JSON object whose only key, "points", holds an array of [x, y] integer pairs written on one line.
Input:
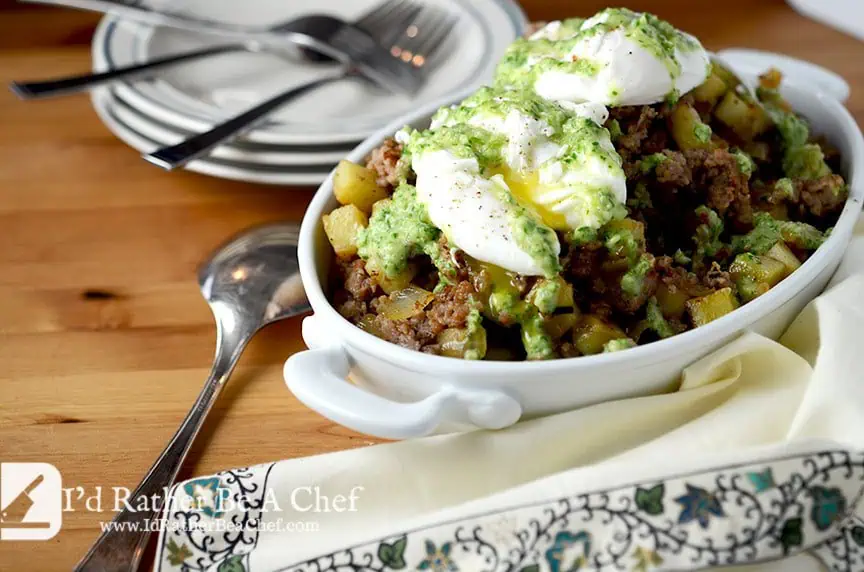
{"points": [[104, 338]]}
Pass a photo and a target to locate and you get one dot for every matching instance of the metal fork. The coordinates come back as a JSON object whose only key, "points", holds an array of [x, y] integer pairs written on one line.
{"points": [[309, 32], [414, 42]]}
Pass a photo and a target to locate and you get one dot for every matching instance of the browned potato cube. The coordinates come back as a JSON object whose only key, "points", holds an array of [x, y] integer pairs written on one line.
{"points": [[747, 120], [708, 308], [671, 301], [782, 253], [593, 333], [711, 90], [357, 185], [688, 130], [560, 324], [391, 284], [342, 227]]}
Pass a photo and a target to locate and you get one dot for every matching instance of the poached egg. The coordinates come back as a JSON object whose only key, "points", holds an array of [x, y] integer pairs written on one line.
{"points": [[502, 171], [617, 57]]}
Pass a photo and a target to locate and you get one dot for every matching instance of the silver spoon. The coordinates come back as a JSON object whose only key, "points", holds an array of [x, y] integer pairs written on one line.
{"points": [[250, 282]]}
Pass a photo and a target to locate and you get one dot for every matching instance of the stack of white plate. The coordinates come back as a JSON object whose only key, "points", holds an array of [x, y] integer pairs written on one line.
{"points": [[303, 141]]}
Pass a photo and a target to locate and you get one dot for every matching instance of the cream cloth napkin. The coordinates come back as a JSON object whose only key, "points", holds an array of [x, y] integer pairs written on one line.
{"points": [[757, 456]]}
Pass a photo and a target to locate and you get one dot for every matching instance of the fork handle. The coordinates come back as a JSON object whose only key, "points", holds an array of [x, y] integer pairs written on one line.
{"points": [[78, 83], [146, 15], [170, 158]]}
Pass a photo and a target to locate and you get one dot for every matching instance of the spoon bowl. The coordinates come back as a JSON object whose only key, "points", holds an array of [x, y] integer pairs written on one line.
{"points": [[254, 276], [250, 281]]}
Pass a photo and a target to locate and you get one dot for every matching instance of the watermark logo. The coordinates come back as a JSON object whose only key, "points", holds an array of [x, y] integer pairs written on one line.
{"points": [[31, 501]]}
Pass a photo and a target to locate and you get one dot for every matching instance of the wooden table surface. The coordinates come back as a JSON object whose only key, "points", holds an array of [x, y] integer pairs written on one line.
{"points": [[104, 338]]}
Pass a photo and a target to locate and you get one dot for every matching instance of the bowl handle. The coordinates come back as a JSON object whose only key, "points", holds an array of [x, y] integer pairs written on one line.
{"points": [[317, 378]]}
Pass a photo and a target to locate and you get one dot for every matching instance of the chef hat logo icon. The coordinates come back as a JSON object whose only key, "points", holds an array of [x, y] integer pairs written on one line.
{"points": [[31, 506]]}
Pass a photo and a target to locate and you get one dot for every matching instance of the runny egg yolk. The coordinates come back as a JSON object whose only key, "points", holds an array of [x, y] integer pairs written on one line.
{"points": [[525, 187]]}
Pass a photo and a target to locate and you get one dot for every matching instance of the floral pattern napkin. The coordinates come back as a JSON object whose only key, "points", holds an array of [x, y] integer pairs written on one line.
{"points": [[740, 514]]}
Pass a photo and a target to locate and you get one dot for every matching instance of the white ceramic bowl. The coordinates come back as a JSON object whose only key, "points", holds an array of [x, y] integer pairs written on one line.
{"points": [[399, 393]]}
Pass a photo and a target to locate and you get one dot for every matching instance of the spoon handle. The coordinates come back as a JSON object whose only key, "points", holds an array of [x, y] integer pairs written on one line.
{"points": [[122, 544], [75, 84], [178, 155]]}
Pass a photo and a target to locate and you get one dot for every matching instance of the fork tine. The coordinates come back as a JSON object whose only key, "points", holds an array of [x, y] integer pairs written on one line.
{"points": [[400, 23], [424, 36], [435, 31], [441, 40], [375, 17], [391, 17]]}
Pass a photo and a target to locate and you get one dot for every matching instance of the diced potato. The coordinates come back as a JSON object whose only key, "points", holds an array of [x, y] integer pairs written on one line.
{"points": [[368, 324], [631, 226], [749, 289], [711, 90], [725, 74], [758, 150], [500, 353], [759, 268], [782, 253], [357, 185], [560, 324], [771, 79], [342, 227], [391, 284], [459, 343], [688, 130], [405, 303], [778, 211], [672, 302], [754, 275], [747, 120], [708, 308], [592, 333], [549, 294], [565, 296]]}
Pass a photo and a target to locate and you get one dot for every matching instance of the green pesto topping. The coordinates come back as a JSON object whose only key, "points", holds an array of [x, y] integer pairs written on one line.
{"points": [[526, 59], [537, 341], [805, 162], [656, 321], [703, 132], [398, 230], [544, 295], [745, 162], [708, 233], [787, 187], [582, 236], [767, 231], [622, 243], [673, 97], [801, 160], [633, 280], [615, 129], [649, 162], [579, 137], [680, 258], [748, 288], [476, 345], [618, 345], [640, 198], [536, 239], [462, 140]]}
